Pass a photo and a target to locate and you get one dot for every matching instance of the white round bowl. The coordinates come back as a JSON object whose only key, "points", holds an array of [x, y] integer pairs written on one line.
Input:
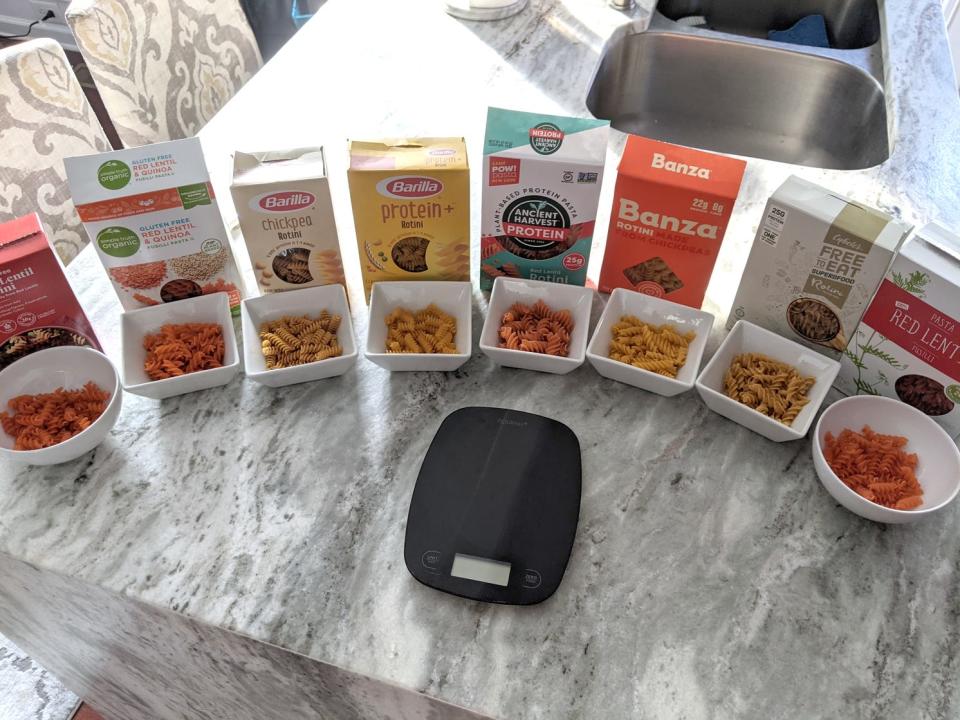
{"points": [[46, 370], [938, 470]]}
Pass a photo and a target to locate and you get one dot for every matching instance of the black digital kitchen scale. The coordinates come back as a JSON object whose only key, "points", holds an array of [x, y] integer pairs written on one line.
{"points": [[495, 508]]}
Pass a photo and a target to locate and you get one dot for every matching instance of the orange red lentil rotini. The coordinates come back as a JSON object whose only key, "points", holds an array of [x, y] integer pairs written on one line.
{"points": [[536, 328], [875, 466], [178, 349], [46, 419]]}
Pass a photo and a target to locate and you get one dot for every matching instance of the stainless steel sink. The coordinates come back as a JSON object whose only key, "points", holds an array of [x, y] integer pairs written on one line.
{"points": [[743, 96], [850, 23]]}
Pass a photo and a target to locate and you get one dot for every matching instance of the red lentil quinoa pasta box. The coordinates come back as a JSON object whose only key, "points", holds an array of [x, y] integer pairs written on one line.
{"points": [[38, 308], [153, 217], [907, 346]]}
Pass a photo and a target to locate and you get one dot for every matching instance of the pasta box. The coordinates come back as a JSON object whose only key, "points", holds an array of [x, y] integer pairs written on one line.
{"points": [[816, 261], [411, 209], [671, 207], [541, 188], [286, 216], [38, 308], [907, 346]]}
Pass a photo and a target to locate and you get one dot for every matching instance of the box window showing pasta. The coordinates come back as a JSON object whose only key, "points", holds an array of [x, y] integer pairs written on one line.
{"points": [[153, 217], [38, 308], [286, 215], [411, 209], [670, 211], [907, 346], [816, 261], [541, 186]]}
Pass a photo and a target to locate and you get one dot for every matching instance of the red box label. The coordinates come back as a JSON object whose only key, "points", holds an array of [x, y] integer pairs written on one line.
{"points": [[504, 171]]}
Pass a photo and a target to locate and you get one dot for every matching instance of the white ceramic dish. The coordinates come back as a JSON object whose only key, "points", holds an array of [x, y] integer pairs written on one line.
{"points": [[455, 298], [507, 291], [135, 324], [71, 368], [655, 311], [938, 470], [307, 301], [746, 338]]}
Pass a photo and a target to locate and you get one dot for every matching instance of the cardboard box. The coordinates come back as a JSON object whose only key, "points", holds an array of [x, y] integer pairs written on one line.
{"points": [[411, 209], [286, 216], [816, 261], [38, 308], [153, 217], [671, 207], [541, 186], [907, 346]]}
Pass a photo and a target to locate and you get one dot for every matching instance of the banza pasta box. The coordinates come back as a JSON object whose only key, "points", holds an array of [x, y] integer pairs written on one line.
{"points": [[152, 215]]}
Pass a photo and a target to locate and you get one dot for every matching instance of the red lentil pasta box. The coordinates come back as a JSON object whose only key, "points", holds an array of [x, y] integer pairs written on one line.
{"points": [[153, 217], [38, 308]]}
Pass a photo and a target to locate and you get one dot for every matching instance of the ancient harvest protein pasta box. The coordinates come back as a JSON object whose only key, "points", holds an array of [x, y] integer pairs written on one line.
{"points": [[671, 207], [152, 215], [908, 344], [541, 186], [816, 261], [411, 209], [286, 215], [37, 306]]}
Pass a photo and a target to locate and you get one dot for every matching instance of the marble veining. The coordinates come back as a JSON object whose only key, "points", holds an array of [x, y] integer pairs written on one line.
{"points": [[27, 691], [711, 577]]}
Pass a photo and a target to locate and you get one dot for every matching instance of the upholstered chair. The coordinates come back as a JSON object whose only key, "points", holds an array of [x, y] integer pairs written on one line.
{"points": [[44, 117], [164, 67]]}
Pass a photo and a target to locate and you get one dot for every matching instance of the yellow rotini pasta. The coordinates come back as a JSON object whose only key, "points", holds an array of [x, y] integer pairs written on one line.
{"points": [[658, 348], [430, 330], [768, 386], [299, 339]]}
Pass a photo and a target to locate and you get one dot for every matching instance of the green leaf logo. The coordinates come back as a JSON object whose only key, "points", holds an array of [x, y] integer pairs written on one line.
{"points": [[953, 392], [113, 174]]}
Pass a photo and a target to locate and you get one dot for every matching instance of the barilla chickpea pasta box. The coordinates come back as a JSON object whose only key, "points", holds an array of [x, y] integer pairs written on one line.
{"points": [[153, 217], [38, 308], [816, 261], [411, 209], [907, 346], [670, 211], [286, 216], [541, 187]]}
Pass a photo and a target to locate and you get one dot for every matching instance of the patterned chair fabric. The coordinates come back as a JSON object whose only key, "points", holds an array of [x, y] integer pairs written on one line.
{"points": [[44, 117], [164, 67]]}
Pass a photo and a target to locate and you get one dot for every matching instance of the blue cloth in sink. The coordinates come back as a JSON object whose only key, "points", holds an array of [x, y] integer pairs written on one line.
{"points": [[810, 30]]}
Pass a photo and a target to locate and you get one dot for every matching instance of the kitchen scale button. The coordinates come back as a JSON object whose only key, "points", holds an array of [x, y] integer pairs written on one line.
{"points": [[530, 579], [431, 560]]}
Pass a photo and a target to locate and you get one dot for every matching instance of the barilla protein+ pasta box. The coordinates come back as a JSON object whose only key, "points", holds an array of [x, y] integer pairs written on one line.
{"points": [[153, 217], [411, 209], [908, 344], [541, 186], [670, 211], [286, 216], [816, 261], [38, 308]]}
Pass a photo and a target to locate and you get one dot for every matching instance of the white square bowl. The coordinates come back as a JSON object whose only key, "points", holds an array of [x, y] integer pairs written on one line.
{"points": [[454, 298], [655, 311], [749, 338], [136, 324], [306, 301], [507, 291]]}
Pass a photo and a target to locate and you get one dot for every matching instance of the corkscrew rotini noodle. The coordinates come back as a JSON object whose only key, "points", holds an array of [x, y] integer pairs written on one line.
{"points": [[536, 328], [178, 349], [430, 330], [658, 348], [299, 339], [875, 466], [18, 346], [40, 421], [768, 386]]}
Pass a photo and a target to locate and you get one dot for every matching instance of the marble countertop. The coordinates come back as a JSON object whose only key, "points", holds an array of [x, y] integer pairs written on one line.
{"points": [[711, 577]]}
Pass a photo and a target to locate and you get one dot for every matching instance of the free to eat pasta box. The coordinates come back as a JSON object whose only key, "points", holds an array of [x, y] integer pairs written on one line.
{"points": [[907, 346], [38, 308], [152, 215], [816, 261], [671, 207], [286, 216], [541, 187], [411, 209]]}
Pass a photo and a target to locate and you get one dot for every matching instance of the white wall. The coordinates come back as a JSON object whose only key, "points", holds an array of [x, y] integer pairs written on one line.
{"points": [[16, 15]]}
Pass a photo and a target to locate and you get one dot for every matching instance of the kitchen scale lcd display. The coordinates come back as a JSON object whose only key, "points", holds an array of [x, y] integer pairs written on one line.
{"points": [[495, 508]]}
